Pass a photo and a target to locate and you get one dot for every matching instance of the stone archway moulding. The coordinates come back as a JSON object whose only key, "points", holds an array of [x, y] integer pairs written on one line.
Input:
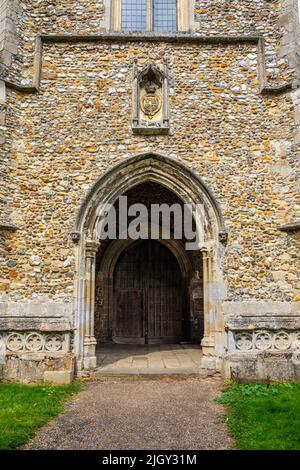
{"points": [[179, 179], [157, 168]]}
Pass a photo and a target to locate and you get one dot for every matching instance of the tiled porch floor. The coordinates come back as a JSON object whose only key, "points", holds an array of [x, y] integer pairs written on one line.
{"points": [[114, 359]]}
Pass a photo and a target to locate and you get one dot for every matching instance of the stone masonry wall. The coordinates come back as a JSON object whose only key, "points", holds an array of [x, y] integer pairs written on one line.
{"points": [[3, 156], [78, 126], [11, 23], [3, 4], [241, 137], [275, 20], [8, 52]]}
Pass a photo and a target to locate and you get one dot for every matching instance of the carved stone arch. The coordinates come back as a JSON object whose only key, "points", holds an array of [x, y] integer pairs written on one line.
{"points": [[188, 187], [156, 168], [151, 73]]}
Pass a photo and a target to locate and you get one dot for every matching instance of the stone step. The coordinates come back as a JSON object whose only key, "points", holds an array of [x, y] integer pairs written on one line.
{"points": [[147, 374]]}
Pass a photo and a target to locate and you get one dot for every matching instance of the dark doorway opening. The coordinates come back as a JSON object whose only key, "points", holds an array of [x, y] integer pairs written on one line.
{"points": [[149, 296], [149, 291]]}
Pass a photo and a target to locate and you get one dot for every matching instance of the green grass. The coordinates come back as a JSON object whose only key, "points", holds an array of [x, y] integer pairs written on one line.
{"points": [[262, 417], [25, 408]]}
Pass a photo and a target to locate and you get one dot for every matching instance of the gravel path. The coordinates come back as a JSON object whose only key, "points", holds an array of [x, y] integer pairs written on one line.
{"points": [[128, 414]]}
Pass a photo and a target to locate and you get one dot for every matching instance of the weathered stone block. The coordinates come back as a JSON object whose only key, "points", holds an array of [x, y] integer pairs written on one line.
{"points": [[208, 363], [60, 377], [263, 367], [31, 367]]}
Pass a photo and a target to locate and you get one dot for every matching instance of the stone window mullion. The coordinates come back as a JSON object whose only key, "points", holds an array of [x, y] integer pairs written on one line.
{"points": [[149, 15], [116, 20], [185, 8]]}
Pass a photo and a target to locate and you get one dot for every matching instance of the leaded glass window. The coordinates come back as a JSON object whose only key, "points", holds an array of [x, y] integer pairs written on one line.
{"points": [[149, 15], [134, 15], [165, 15]]}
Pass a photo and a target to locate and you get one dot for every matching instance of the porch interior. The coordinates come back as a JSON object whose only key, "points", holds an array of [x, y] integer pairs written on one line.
{"points": [[175, 359]]}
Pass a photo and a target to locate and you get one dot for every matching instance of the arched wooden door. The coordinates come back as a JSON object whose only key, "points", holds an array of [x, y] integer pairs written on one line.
{"points": [[148, 295]]}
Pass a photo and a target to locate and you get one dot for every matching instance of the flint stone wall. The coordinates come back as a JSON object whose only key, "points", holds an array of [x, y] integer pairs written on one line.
{"points": [[56, 142]]}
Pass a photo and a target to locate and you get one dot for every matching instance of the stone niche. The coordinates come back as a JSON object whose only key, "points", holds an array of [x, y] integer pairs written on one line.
{"points": [[150, 100]]}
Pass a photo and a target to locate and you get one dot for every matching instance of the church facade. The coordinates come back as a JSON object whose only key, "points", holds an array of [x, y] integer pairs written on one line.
{"points": [[186, 102]]}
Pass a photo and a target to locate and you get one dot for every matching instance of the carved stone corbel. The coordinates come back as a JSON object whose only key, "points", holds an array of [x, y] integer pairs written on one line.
{"points": [[75, 237], [223, 237]]}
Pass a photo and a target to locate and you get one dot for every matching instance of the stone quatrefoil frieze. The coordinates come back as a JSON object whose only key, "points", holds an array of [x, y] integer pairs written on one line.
{"points": [[33, 342], [263, 340]]}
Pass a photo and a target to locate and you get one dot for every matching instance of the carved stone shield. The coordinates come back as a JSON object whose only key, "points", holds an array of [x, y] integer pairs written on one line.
{"points": [[151, 104]]}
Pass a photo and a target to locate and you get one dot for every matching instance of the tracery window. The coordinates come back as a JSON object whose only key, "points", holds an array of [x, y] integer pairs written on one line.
{"points": [[163, 16]]}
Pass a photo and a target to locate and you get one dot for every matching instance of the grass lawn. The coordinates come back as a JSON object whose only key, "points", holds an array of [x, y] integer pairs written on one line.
{"points": [[24, 408], [262, 417]]}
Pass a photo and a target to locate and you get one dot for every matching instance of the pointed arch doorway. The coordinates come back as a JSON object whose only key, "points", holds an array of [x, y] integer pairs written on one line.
{"points": [[172, 175], [148, 291]]}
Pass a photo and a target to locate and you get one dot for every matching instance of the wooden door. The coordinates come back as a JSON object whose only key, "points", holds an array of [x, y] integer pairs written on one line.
{"points": [[129, 314], [148, 295]]}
